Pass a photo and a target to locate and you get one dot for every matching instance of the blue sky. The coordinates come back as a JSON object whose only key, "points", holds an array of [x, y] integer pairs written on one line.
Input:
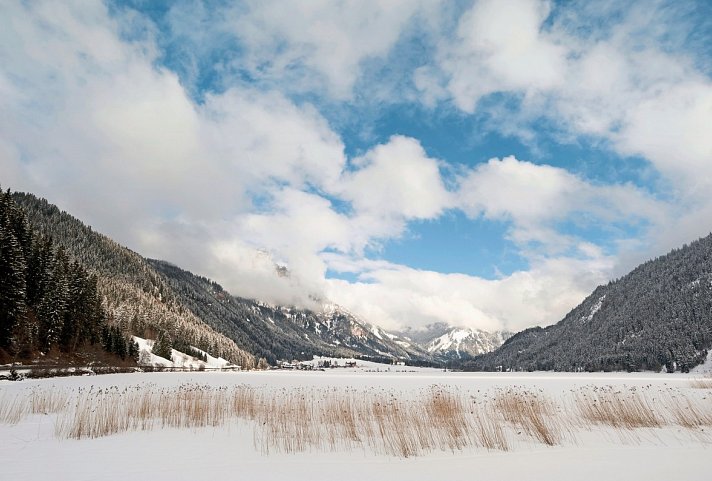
{"points": [[480, 163]]}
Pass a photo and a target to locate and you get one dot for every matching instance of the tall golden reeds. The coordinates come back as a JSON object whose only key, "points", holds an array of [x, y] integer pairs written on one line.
{"points": [[402, 424]]}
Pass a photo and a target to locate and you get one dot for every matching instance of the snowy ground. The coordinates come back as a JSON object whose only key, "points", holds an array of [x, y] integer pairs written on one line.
{"points": [[178, 359], [30, 449]]}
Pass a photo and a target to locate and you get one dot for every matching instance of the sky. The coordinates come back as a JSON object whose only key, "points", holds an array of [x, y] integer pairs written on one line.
{"points": [[486, 164]]}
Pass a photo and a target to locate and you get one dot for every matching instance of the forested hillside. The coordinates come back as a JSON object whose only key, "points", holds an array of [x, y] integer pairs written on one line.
{"points": [[135, 298], [49, 303], [658, 316]]}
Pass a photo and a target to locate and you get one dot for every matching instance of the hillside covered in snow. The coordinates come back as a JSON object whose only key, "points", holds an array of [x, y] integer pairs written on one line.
{"points": [[659, 316]]}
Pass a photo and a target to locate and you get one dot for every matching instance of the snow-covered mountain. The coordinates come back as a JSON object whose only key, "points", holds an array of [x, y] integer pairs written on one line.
{"points": [[340, 322], [444, 342], [461, 342], [147, 297]]}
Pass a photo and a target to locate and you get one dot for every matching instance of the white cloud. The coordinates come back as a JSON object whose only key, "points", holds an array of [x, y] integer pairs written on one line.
{"points": [[392, 183], [226, 187], [397, 296], [316, 44], [265, 136], [248, 178], [629, 83], [672, 129], [627, 88], [95, 119], [500, 46], [535, 197]]}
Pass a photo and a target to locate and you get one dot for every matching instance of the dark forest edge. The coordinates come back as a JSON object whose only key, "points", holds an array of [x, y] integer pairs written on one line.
{"points": [[50, 308]]}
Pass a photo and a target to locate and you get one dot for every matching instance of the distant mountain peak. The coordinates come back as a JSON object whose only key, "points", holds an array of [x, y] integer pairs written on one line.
{"points": [[461, 342]]}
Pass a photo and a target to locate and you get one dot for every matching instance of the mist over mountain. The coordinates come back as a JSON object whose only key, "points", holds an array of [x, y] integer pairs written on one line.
{"points": [[282, 332], [136, 299]]}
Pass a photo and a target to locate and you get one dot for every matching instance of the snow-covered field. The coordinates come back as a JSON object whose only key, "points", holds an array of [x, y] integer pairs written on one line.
{"points": [[36, 448]]}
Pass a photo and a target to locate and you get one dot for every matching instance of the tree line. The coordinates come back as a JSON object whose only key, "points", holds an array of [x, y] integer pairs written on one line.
{"points": [[48, 302], [134, 296]]}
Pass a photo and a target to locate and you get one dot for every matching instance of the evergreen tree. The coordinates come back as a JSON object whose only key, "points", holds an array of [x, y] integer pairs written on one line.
{"points": [[53, 307], [39, 269], [12, 273], [133, 350], [162, 346]]}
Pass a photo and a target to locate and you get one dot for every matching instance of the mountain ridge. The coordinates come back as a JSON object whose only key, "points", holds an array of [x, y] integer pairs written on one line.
{"points": [[658, 316]]}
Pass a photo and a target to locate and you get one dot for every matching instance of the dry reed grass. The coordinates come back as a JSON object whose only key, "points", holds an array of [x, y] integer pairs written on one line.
{"points": [[688, 413], [489, 428], [292, 420], [617, 408], [702, 383], [531, 412], [48, 401], [333, 419], [13, 409]]}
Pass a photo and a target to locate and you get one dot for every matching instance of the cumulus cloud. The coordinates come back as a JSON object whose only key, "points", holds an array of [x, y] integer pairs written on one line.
{"points": [[83, 115], [499, 47], [399, 296], [397, 178], [535, 197], [627, 88], [391, 184], [297, 46]]}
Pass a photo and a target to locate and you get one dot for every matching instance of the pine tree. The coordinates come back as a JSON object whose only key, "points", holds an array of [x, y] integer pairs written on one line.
{"points": [[133, 350], [54, 303], [38, 269], [12, 274], [96, 315], [162, 346]]}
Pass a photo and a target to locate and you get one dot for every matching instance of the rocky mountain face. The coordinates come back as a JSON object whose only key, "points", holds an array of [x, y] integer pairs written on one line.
{"points": [[461, 343], [659, 316], [453, 345]]}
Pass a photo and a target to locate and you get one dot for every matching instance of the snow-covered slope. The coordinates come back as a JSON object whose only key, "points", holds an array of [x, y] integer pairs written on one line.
{"points": [[658, 316], [346, 329], [178, 358], [461, 342]]}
